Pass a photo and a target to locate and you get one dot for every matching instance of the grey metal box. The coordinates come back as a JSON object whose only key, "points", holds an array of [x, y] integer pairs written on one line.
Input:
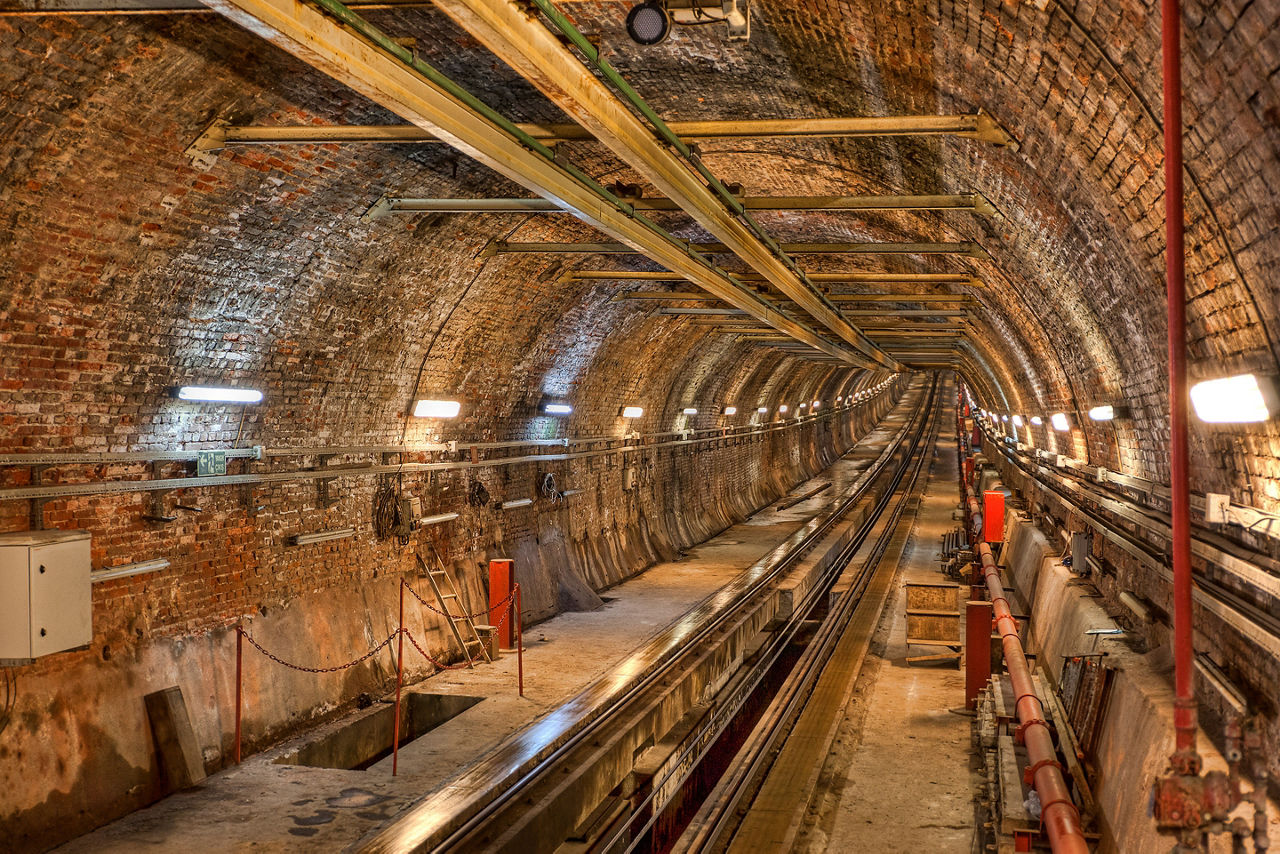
{"points": [[45, 594]]}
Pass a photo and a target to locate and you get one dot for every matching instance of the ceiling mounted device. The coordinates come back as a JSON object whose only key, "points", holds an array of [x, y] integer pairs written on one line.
{"points": [[649, 23]]}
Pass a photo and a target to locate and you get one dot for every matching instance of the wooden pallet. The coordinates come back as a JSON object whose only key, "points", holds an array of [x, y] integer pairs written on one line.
{"points": [[933, 619]]}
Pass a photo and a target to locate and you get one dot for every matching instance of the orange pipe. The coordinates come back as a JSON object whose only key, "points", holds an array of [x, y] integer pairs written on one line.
{"points": [[1059, 815]]}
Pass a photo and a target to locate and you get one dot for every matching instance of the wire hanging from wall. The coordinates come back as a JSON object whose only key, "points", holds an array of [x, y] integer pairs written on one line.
{"points": [[386, 511]]}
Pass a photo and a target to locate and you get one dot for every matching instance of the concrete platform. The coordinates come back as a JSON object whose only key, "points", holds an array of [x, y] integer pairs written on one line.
{"points": [[263, 806]]}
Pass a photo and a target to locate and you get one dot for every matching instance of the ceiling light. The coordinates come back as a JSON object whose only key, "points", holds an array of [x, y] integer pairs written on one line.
{"points": [[323, 536], [1004, 417], [817, 403], [1060, 422], [436, 409], [731, 410], [1234, 400], [782, 408], [762, 410], [1017, 421], [1037, 420], [632, 411], [801, 406], [689, 410], [1102, 413], [219, 395], [558, 409], [648, 23]]}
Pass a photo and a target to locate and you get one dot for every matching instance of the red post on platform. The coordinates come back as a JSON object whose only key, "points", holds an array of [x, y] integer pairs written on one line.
{"points": [[977, 650], [976, 441], [519, 639], [395, 738], [993, 517], [502, 583], [968, 471], [239, 680]]}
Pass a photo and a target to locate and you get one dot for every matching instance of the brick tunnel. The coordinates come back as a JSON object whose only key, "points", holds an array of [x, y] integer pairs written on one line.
{"points": [[322, 324]]}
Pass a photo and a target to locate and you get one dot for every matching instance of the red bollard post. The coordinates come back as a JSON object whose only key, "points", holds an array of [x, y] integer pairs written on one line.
{"points": [[519, 641], [395, 738], [977, 650], [239, 658]]}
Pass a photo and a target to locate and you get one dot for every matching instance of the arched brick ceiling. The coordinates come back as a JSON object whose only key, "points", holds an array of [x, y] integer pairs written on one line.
{"points": [[258, 264]]}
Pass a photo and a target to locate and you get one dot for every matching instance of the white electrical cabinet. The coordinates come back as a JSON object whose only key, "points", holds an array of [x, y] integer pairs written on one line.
{"points": [[45, 594]]}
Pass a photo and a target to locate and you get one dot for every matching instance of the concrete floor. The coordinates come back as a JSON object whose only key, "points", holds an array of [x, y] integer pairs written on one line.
{"points": [[262, 806], [899, 777]]}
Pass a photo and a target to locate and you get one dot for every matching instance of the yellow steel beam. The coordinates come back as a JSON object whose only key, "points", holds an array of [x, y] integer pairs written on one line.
{"points": [[520, 38], [357, 55]]}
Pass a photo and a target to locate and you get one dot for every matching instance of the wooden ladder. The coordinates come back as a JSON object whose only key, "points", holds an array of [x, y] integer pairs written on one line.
{"points": [[447, 595]]}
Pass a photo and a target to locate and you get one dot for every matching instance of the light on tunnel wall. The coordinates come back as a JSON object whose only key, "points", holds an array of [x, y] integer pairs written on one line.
{"points": [[690, 410], [1102, 413], [1060, 422], [817, 404], [1017, 421], [219, 395], [783, 409], [730, 410], [436, 409], [1245, 398], [1004, 417], [558, 409], [1037, 420], [632, 411]]}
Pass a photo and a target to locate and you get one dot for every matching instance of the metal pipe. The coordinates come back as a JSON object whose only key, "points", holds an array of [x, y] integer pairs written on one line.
{"points": [[975, 202], [395, 737], [1184, 715], [239, 682], [1058, 813]]}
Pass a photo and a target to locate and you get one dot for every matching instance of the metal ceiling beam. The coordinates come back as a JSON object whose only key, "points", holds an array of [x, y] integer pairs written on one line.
{"points": [[830, 278], [980, 126], [676, 296], [968, 249], [544, 58], [903, 312], [349, 49], [971, 202]]}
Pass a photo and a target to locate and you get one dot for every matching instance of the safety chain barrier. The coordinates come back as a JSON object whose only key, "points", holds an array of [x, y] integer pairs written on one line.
{"points": [[505, 603], [512, 602]]}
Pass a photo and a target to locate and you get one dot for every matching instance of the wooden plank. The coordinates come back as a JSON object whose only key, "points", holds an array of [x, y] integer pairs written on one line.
{"points": [[175, 739]]}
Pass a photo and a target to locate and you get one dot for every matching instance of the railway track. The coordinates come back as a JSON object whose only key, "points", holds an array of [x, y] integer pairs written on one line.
{"points": [[623, 765]]}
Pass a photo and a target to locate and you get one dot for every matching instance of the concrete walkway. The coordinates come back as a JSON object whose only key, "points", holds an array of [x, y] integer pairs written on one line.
{"points": [[263, 806], [899, 778]]}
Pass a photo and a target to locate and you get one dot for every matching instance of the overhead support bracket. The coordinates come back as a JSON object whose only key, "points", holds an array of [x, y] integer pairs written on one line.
{"points": [[968, 248], [969, 202], [979, 126]]}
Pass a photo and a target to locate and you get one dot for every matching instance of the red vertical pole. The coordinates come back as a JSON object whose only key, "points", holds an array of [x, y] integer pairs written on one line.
{"points": [[977, 650], [519, 641], [395, 738], [1184, 715], [239, 690]]}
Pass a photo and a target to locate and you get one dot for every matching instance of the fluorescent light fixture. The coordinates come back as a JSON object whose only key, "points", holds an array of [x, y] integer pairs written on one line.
{"points": [[219, 395], [632, 411], [1037, 420], [1102, 413], [437, 519], [1060, 422], [1017, 421], [1245, 398], [731, 410], [323, 536], [128, 569], [839, 398], [690, 410], [516, 502], [762, 410], [1004, 417], [436, 409], [557, 409], [782, 408], [801, 406], [817, 403]]}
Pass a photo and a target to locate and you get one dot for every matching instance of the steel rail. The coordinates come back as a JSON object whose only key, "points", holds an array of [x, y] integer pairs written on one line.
{"points": [[720, 812], [430, 828]]}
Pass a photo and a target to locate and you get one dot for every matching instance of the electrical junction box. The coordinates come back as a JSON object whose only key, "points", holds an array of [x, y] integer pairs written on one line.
{"points": [[629, 478], [45, 595], [1217, 508]]}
